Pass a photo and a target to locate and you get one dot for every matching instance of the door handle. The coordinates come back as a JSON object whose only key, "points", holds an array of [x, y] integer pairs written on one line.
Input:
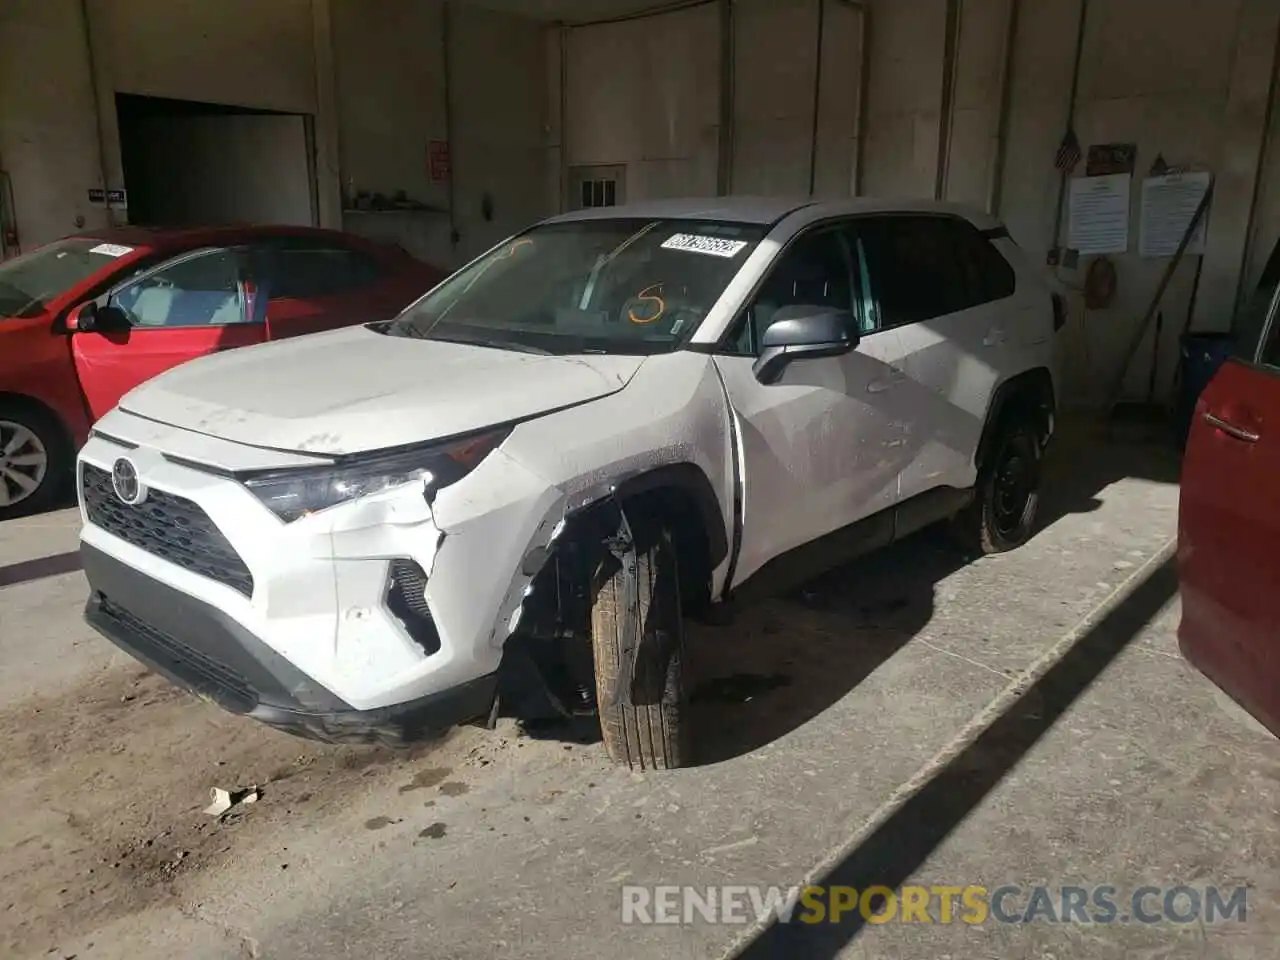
{"points": [[888, 380], [994, 337], [1231, 430]]}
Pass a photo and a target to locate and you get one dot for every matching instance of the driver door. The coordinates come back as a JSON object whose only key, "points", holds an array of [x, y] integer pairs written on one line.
{"points": [[820, 448], [197, 304]]}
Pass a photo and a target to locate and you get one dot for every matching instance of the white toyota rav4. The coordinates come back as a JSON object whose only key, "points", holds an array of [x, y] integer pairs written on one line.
{"points": [[617, 417]]}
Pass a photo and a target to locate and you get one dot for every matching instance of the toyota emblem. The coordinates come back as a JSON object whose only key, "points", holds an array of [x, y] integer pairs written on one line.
{"points": [[124, 480]]}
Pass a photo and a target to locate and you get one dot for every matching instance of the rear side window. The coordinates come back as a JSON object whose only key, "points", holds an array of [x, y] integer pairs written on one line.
{"points": [[923, 267], [990, 276], [300, 271]]}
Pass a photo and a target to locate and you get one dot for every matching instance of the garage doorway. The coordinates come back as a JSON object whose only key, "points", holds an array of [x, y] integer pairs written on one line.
{"points": [[196, 164]]}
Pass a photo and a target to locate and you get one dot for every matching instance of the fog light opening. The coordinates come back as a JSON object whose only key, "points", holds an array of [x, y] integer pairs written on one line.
{"points": [[407, 602]]}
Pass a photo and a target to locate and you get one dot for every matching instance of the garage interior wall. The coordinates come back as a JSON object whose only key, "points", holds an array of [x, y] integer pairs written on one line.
{"points": [[646, 93], [1191, 81], [48, 119], [1186, 79], [394, 101], [373, 86]]}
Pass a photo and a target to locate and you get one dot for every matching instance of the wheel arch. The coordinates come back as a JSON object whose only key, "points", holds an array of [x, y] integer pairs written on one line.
{"points": [[680, 493], [25, 401], [1029, 394]]}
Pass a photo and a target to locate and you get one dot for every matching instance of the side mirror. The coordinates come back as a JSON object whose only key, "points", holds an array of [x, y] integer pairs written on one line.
{"points": [[83, 318], [90, 318], [804, 332]]}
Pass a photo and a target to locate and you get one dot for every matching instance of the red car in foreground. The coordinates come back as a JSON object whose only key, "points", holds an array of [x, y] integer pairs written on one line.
{"points": [[1229, 517], [85, 319]]}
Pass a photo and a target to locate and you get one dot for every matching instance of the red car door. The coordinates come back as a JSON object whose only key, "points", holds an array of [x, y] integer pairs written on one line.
{"points": [[315, 285], [195, 304], [1229, 527]]}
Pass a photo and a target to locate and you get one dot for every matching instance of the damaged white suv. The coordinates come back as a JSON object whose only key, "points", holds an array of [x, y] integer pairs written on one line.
{"points": [[615, 418]]}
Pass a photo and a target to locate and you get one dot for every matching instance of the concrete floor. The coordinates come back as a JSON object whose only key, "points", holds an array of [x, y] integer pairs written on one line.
{"points": [[912, 719]]}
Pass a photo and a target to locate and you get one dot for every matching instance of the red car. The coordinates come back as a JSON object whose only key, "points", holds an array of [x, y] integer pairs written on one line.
{"points": [[157, 299], [1229, 517]]}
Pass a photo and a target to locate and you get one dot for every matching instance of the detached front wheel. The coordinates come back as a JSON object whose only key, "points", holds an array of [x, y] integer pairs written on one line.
{"points": [[637, 636]]}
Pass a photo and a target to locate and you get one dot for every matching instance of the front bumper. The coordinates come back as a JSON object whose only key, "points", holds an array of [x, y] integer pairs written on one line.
{"points": [[219, 660], [296, 624]]}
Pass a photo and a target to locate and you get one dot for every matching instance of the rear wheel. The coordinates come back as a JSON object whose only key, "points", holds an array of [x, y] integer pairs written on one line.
{"points": [[35, 460], [1007, 495], [637, 636]]}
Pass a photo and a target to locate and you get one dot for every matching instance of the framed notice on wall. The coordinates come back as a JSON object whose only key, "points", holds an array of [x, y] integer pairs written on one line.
{"points": [[1099, 214], [438, 160], [1168, 204]]}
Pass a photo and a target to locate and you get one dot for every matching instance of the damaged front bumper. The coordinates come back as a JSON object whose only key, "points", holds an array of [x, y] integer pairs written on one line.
{"points": [[203, 650], [382, 619]]}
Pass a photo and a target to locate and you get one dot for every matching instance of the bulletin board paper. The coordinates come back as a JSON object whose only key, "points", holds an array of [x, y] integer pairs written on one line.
{"points": [[1099, 214], [1168, 205]]}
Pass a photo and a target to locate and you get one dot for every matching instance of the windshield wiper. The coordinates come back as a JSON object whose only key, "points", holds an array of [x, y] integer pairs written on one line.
{"points": [[494, 344]]}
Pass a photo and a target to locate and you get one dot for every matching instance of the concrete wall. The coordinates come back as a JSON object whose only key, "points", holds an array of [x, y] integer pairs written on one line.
{"points": [[501, 115], [374, 86], [645, 93], [1187, 79], [48, 120]]}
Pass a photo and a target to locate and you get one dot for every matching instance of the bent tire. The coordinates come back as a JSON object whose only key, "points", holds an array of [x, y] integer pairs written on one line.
{"points": [[1006, 499], [637, 637], [35, 460]]}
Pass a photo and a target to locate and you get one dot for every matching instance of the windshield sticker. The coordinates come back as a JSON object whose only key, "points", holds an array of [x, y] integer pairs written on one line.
{"points": [[111, 249], [714, 246]]}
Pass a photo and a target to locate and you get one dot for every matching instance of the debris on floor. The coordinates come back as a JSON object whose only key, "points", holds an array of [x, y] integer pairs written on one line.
{"points": [[223, 801]]}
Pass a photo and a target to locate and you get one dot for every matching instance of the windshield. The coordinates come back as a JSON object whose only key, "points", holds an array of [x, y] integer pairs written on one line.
{"points": [[29, 282], [626, 286]]}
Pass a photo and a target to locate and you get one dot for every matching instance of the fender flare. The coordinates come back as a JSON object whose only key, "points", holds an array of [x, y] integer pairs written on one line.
{"points": [[1031, 390], [690, 480]]}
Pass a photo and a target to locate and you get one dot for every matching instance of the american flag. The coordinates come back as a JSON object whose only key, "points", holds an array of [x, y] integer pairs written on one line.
{"points": [[1068, 154]]}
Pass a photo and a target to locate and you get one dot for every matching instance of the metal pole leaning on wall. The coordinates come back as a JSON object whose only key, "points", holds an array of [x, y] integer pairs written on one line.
{"points": [[1071, 119], [1140, 332], [946, 118]]}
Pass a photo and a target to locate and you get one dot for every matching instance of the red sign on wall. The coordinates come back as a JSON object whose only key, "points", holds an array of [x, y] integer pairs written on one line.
{"points": [[438, 160]]}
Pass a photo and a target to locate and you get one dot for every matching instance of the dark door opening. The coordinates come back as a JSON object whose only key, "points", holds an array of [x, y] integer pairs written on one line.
{"points": [[199, 164]]}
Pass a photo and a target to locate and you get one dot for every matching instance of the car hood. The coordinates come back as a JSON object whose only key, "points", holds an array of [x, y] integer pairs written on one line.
{"points": [[355, 390]]}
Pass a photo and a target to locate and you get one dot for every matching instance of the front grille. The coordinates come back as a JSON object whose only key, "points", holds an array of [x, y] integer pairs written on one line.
{"points": [[202, 674], [172, 528]]}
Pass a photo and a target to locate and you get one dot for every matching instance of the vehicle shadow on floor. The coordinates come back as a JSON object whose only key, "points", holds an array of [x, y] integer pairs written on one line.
{"points": [[787, 659], [901, 845]]}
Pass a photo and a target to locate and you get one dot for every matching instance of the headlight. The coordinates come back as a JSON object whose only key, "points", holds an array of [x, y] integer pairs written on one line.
{"points": [[291, 494]]}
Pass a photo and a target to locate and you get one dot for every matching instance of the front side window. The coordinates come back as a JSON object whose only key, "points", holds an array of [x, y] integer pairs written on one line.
{"points": [[816, 271], [204, 289], [612, 285], [29, 282]]}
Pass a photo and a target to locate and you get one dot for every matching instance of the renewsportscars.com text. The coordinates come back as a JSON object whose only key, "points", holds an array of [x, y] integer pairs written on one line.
{"points": [[937, 904]]}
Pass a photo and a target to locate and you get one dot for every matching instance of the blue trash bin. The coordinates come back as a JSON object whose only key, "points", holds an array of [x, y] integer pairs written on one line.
{"points": [[1201, 356]]}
